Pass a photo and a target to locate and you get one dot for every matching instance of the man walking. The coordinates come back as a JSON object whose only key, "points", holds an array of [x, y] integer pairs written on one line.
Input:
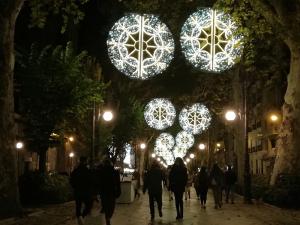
{"points": [[81, 181], [153, 183], [230, 179]]}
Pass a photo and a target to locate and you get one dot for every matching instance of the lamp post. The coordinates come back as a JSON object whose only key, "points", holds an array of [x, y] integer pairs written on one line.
{"points": [[231, 116], [106, 116]]}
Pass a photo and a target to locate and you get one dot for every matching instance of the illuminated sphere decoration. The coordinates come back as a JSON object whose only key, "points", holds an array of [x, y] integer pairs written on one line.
{"points": [[140, 46], [184, 140], [208, 41], [195, 119], [160, 113], [169, 157], [165, 141], [179, 152]]}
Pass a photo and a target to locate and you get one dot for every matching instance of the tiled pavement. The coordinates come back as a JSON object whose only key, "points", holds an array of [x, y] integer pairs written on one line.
{"points": [[137, 213]]}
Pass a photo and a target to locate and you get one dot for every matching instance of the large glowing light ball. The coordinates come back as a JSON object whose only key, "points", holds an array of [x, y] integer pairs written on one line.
{"points": [[184, 140], [165, 141], [140, 46], [169, 157], [195, 119], [159, 113], [179, 152], [208, 41]]}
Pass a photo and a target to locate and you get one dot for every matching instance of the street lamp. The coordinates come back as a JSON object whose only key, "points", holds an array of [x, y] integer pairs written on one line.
{"points": [[201, 146], [71, 138], [153, 155], [107, 116], [142, 146], [192, 155], [231, 116], [19, 145]]}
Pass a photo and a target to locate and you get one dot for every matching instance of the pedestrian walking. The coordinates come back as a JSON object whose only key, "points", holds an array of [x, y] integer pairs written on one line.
{"points": [[203, 183], [178, 179], [230, 179], [196, 184], [82, 183], [153, 183], [110, 188], [170, 193], [189, 183], [217, 182]]}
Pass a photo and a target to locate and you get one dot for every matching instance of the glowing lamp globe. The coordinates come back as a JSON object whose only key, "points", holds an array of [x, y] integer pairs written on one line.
{"points": [[19, 145], [195, 119], [159, 113], [208, 40], [140, 46], [108, 116], [201, 146], [192, 155], [230, 115]]}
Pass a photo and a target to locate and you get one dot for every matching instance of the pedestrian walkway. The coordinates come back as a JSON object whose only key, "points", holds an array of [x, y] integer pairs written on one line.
{"points": [[137, 213]]}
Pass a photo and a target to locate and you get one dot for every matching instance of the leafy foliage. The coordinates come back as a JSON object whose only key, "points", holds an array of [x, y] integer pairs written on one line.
{"points": [[55, 87], [69, 10]]}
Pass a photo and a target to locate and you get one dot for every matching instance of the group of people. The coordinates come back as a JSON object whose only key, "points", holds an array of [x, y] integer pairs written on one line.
{"points": [[219, 181], [88, 184], [104, 181], [179, 182]]}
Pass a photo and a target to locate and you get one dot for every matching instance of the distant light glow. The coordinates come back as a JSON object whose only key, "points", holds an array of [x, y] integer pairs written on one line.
{"points": [[218, 145], [108, 116], [153, 155], [140, 46], [192, 155], [188, 160], [143, 145], [230, 115], [202, 146], [184, 140], [19, 145], [274, 118], [71, 155], [208, 41], [160, 113], [195, 119]]}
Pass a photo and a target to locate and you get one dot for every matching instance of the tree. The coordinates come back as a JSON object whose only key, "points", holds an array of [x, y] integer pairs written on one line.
{"points": [[9, 11], [281, 19], [55, 87]]}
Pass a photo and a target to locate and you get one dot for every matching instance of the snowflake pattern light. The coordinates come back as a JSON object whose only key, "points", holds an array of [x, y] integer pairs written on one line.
{"points": [[165, 141], [168, 157], [140, 46], [195, 119], [184, 140], [160, 113], [208, 42], [179, 152]]}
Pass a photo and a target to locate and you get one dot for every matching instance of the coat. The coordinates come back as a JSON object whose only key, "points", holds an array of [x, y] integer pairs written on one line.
{"points": [[178, 178], [153, 181], [81, 180]]}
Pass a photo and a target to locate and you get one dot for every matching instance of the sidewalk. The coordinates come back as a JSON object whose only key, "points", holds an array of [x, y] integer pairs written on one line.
{"points": [[137, 213]]}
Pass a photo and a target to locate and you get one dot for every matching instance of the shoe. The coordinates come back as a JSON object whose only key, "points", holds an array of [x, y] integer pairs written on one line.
{"points": [[160, 213], [177, 217], [152, 217], [216, 207], [204, 207]]}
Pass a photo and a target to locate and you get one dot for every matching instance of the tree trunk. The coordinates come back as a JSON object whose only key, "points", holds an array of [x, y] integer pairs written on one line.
{"points": [[288, 155], [9, 195]]}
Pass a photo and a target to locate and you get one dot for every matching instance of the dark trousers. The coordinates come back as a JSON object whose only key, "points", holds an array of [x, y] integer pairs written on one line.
{"points": [[108, 204], [179, 203], [87, 202], [155, 197], [203, 196]]}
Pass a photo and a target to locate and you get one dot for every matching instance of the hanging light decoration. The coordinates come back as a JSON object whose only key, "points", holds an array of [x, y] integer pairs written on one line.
{"points": [[128, 149], [168, 157], [208, 41], [140, 46], [195, 119], [160, 113], [165, 141], [184, 140], [179, 151]]}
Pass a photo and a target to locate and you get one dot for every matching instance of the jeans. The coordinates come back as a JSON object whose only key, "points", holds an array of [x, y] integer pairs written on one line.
{"points": [[155, 197], [179, 203]]}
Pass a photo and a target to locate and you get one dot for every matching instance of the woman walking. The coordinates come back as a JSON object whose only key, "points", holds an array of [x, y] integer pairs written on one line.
{"points": [[217, 182], [203, 181], [178, 179]]}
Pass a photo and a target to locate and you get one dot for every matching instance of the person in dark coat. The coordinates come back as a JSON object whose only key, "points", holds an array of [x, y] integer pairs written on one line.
{"points": [[178, 179], [230, 179], [203, 183], [110, 188], [82, 183], [153, 183], [217, 182]]}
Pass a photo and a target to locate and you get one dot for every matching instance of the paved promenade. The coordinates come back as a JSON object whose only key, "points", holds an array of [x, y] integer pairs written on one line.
{"points": [[137, 213]]}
